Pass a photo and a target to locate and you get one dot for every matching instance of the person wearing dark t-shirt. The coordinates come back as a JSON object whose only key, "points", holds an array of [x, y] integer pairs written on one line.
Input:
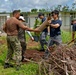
{"points": [[55, 32], [43, 33]]}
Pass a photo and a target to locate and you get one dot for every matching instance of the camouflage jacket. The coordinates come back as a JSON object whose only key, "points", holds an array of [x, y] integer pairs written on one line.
{"points": [[21, 34]]}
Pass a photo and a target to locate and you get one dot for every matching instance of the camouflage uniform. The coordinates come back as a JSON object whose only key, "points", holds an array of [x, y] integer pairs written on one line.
{"points": [[22, 38], [11, 27], [13, 47]]}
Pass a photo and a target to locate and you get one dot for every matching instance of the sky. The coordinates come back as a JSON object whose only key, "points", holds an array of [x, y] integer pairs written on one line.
{"points": [[27, 5]]}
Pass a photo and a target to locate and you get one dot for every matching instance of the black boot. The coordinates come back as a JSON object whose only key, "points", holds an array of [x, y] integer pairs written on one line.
{"points": [[42, 49], [22, 59], [7, 65]]}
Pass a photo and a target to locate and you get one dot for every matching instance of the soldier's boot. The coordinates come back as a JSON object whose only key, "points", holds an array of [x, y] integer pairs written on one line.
{"points": [[22, 58], [42, 49], [7, 65]]}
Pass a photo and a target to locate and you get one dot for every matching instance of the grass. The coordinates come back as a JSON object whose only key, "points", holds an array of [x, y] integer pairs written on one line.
{"points": [[66, 36], [26, 69]]}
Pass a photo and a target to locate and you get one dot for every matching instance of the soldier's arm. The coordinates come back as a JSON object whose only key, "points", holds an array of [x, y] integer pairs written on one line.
{"points": [[21, 25], [29, 29]]}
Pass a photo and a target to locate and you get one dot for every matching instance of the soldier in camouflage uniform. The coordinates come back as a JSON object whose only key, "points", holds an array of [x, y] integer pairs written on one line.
{"points": [[22, 38], [11, 27]]}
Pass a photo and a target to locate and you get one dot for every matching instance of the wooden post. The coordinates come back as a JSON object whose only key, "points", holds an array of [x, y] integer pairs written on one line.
{"points": [[43, 26]]}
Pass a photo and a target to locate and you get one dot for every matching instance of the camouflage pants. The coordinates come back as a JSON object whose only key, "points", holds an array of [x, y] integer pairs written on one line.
{"points": [[14, 47], [23, 45]]}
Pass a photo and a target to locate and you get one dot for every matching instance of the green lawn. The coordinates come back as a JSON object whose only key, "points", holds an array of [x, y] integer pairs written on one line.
{"points": [[26, 69], [66, 36]]}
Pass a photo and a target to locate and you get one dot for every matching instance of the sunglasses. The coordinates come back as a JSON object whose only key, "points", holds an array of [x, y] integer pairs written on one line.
{"points": [[52, 14]]}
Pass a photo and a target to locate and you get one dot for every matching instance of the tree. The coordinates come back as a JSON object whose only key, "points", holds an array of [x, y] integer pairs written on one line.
{"points": [[42, 10], [73, 6], [34, 10], [65, 8], [59, 7]]}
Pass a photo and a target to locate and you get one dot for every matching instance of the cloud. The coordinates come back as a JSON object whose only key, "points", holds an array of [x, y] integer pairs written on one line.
{"points": [[74, 0], [26, 5], [6, 0]]}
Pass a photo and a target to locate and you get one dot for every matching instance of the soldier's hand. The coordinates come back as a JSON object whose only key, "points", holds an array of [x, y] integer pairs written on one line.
{"points": [[36, 30]]}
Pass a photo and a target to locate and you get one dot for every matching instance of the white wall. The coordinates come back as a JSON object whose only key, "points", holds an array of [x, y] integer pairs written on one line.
{"points": [[66, 18], [3, 18]]}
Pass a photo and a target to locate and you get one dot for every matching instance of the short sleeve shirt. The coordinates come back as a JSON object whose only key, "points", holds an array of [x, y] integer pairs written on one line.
{"points": [[74, 27], [55, 31], [45, 30]]}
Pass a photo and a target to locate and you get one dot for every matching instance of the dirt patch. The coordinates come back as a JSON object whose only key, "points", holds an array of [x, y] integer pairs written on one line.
{"points": [[32, 52], [32, 44], [34, 55]]}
